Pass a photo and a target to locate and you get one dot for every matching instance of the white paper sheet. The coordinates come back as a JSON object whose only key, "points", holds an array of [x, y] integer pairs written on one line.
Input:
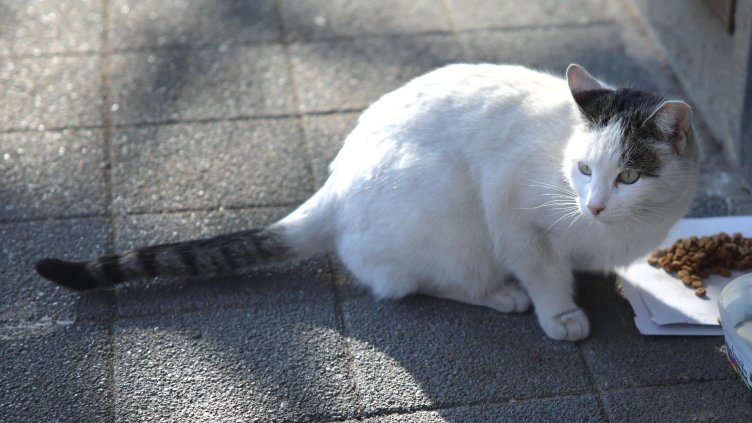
{"points": [[645, 324], [662, 303]]}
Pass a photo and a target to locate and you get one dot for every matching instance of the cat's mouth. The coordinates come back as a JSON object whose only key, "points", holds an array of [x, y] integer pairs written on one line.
{"points": [[612, 217], [604, 220], [600, 215]]}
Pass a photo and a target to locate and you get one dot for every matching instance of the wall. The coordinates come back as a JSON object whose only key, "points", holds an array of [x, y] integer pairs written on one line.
{"points": [[712, 66]]}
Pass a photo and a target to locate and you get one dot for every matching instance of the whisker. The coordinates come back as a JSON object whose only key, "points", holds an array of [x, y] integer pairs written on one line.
{"points": [[548, 194], [567, 215], [642, 216], [580, 216], [544, 184], [646, 218], [563, 203], [550, 203], [552, 186]]}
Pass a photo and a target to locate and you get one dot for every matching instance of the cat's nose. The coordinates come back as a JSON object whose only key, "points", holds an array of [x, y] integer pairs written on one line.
{"points": [[596, 210]]}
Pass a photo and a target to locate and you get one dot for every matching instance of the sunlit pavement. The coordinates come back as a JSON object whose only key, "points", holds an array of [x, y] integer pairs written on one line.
{"points": [[124, 123]]}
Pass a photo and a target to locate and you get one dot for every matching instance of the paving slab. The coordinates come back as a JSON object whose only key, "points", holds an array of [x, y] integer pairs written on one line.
{"points": [[27, 298], [421, 352], [724, 401], [324, 137], [208, 165], [48, 27], [717, 178], [219, 82], [484, 14], [708, 205], [316, 19], [601, 49], [741, 206], [309, 280], [191, 23], [50, 92], [60, 375], [268, 362], [619, 356], [342, 74], [48, 174], [585, 408], [224, 115]]}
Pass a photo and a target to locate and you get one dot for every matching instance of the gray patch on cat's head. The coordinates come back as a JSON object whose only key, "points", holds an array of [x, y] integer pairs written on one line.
{"points": [[631, 108]]}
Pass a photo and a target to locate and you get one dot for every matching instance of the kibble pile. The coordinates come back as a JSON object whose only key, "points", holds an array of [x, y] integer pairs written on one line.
{"points": [[694, 259]]}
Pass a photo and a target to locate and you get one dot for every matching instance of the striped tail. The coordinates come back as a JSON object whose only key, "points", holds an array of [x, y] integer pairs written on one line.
{"points": [[212, 256]]}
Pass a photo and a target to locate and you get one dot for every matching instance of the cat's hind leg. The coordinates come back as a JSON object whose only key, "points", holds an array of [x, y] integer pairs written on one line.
{"points": [[507, 298]]}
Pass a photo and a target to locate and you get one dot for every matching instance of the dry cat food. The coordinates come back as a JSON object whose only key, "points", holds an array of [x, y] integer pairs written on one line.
{"points": [[694, 259]]}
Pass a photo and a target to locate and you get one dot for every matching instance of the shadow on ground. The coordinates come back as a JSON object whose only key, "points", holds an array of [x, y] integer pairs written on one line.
{"points": [[289, 343]]}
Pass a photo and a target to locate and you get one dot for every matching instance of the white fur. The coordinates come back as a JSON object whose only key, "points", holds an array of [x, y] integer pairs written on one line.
{"points": [[466, 178]]}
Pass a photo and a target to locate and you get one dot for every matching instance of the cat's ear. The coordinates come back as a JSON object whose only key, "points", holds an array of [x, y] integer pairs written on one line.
{"points": [[673, 121], [586, 91], [580, 81]]}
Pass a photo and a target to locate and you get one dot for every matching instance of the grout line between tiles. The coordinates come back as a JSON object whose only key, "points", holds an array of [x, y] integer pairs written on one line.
{"points": [[337, 303], [593, 383], [152, 212], [295, 40], [8, 221], [166, 122], [454, 29], [106, 93], [107, 128], [351, 367], [224, 208], [23, 56], [296, 99], [452, 405], [212, 308], [730, 377]]}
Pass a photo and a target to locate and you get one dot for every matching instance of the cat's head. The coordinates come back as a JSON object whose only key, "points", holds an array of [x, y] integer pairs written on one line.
{"points": [[634, 158]]}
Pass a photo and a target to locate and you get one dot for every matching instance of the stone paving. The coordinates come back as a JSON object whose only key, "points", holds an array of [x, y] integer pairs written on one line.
{"points": [[127, 122]]}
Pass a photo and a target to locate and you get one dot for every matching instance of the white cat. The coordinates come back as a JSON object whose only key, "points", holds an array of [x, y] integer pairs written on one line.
{"points": [[485, 184]]}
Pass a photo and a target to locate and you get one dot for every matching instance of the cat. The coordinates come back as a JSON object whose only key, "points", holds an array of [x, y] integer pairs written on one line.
{"points": [[480, 183]]}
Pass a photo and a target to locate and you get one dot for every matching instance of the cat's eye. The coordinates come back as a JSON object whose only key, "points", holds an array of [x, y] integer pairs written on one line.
{"points": [[628, 176], [585, 169]]}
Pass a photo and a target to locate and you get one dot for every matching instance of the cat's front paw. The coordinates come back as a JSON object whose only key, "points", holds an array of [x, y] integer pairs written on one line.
{"points": [[571, 325]]}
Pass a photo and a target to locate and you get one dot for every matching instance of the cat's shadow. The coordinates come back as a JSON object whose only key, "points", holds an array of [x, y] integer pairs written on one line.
{"points": [[288, 356]]}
